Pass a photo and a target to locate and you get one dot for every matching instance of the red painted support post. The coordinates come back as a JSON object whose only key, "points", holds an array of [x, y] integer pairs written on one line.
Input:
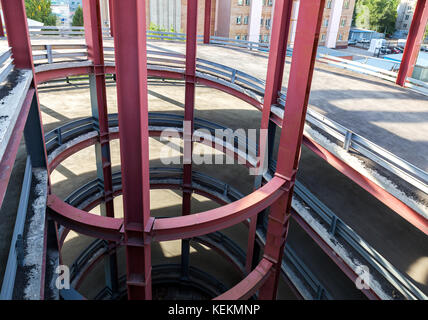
{"points": [[275, 71], [189, 106], [110, 14], [131, 72], [94, 42], [207, 22], [414, 41], [299, 84]]}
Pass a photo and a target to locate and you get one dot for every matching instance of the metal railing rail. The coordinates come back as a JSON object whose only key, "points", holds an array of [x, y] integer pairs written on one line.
{"points": [[336, 227]]}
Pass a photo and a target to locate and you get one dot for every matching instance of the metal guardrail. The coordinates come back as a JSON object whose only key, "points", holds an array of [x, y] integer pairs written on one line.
{"points": [[16, 248]]}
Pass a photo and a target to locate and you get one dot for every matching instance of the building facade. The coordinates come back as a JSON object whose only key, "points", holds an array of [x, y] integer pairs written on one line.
{"points": [[405, 13]]}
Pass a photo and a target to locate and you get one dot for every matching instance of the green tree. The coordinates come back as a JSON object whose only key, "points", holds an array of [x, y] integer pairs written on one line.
{"points": [[381, 15], [40, 10], [78, 18]]}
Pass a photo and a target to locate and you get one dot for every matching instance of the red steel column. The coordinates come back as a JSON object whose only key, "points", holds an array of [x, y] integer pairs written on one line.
{"points": [[19, 41], [275, 71], [299, 85], [414, 41], [189, 106], [94, 42], [131, 72], [207, 21]]}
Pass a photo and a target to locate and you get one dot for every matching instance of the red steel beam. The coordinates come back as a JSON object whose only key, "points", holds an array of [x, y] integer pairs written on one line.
{"points": [[6, 163], [131, 73], [207, 22], [249, 286], [299, 85], [219, 218], [189, 101], [94, 42], [414, 41], [275, 71], [17, 33]]}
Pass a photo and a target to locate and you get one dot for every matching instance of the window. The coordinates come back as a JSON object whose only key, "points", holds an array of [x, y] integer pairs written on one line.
{"points": [[340, 37], [346, 4], [260, 38], [238, 19], [246, 20], [323, 37], [238, 37], [268, 23], [407, 17], [261, 22], [343, 22], [328, 4], [245, 37], [266, 38], [325, 23], [405, 25], [247, 2], [240, 2]]}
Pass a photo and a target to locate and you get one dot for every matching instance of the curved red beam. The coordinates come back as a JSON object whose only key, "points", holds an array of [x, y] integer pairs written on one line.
{"points": [[84, 222], [250, 284], [219, 218]]}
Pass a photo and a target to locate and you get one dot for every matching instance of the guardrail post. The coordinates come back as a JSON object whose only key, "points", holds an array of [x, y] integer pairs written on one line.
{"points": [[299, 85], [414, 41], [132, 101], [348, 140], [94, 41], [189, 106], [273, 86], [49, 53]]}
